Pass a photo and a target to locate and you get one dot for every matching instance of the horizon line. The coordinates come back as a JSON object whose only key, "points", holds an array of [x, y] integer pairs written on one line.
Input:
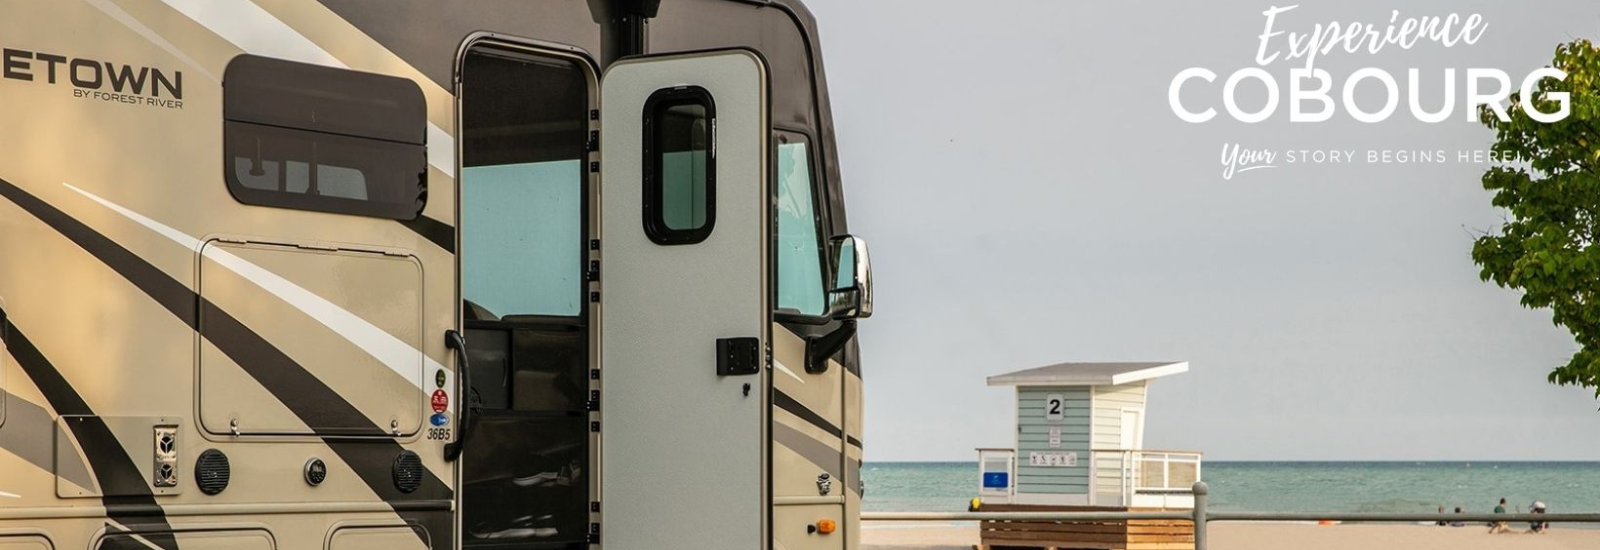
{"points": [[1309, 460]]}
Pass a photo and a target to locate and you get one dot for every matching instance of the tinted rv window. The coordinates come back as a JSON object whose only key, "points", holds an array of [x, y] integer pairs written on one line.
{"points": [[681, 164], [318, 138], [800, 272]]}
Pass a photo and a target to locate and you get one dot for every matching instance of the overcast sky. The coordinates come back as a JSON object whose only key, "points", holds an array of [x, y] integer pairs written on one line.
{"points": [[1031, 199]]}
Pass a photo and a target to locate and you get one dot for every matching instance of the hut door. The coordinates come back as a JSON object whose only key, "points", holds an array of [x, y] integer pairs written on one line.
{"points": [[1132, 429], [1132, 440], [685, 310]]}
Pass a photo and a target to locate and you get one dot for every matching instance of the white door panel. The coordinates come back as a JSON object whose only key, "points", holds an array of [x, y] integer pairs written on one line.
{"points": [[683, 448]]}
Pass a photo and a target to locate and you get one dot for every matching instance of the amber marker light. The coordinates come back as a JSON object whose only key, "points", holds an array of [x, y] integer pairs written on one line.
{"points": [[827, 526]]}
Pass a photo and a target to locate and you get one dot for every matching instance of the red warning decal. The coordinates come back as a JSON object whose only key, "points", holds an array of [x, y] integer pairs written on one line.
{"points": [[441, 401]]}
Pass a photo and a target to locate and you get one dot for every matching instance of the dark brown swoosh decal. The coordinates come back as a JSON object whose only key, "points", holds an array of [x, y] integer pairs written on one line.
{"points": [[437, 232], [112, 466], [299, 390], [795, 407], [29, 433]]}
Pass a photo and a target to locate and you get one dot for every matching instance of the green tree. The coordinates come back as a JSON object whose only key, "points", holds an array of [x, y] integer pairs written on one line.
{"points": [[1549, 246]]}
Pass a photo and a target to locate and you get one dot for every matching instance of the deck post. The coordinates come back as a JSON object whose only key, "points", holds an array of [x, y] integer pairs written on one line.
{"points": [[1200, 491]]}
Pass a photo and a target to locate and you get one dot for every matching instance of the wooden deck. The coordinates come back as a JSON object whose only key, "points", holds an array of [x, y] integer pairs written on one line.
{"points": [[1089, 535]]}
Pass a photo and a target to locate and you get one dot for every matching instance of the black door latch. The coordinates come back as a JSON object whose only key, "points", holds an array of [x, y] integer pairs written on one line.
{"points": [[738, 356]]}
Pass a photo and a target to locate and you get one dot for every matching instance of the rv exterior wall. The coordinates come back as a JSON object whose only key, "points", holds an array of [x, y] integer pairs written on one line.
{"points": [[333, 329], [1053, 484]]}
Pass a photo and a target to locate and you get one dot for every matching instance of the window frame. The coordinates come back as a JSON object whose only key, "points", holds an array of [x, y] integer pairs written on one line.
{"points": [[819, 216], [493, 45], [240, 117], [655, 226]]}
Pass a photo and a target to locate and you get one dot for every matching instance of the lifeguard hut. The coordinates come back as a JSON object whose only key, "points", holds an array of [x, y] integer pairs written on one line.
{"points": [[1080, 447]]}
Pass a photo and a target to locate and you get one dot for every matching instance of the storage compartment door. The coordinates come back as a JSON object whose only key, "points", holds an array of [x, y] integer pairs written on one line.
{"points": [[323, 309]]}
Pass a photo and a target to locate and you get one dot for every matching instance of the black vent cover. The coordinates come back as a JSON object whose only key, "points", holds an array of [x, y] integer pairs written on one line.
{"points": [[211, 472], [407, 471]]}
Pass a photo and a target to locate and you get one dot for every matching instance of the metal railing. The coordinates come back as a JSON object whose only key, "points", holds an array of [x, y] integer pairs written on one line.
{"points": [[1200, 516], [1118, 477], [1150, 471]]}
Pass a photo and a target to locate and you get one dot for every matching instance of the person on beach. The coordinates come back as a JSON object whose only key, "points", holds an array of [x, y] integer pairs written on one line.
{"points": [[1458, 523], [1442, 522], [1540, 527], [1498, 527]]}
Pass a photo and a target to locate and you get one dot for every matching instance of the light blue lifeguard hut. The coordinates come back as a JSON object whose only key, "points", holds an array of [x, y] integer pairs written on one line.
{"points": [[1080, 441]]}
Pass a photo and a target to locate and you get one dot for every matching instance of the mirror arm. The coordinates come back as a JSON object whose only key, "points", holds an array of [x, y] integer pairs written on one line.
{"points": [[822, 348]]}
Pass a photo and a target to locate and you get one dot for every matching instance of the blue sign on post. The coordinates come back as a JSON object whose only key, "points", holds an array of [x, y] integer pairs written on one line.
{"points": [[996, 480]]}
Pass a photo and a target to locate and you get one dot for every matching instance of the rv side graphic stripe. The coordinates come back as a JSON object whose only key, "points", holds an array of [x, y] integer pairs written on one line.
{"points": [[253, 30], [191, 243], [133, 24], [392, 352], [373, 459], [112, 466], [852, 440], [312, 401], [786, 370], [437, 232], [30, 434], [315, 404], [287, 378], [783, 401], [161, 287], [256, 31], [815, 452]]}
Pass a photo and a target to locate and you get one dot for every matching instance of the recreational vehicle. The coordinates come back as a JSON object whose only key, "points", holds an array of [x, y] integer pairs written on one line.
{"points": [[499, 274]]}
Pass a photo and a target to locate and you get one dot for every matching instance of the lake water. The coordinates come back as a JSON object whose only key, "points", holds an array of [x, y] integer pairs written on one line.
{"points": [[1569, 487]]}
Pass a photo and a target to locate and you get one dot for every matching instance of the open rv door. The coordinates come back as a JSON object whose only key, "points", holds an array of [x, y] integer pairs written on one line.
{"points": [[685, 313]]}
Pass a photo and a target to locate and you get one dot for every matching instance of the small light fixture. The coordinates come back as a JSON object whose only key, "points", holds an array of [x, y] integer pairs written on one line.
{"points": [[316, 472]]}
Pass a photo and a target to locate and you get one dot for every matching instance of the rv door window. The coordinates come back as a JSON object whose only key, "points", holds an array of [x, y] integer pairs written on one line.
{"points": [[680, 183], [309, 137], [800, 272]]}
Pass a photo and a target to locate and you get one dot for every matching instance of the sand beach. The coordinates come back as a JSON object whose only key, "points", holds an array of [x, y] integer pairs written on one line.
{"points": [[1265, 536]]}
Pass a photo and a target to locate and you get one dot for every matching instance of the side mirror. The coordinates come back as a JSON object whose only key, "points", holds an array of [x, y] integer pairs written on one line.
{"points": [[851, 297]]}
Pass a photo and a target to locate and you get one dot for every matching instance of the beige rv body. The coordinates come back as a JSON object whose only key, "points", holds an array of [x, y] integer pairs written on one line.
{"points": [[141, 300]]}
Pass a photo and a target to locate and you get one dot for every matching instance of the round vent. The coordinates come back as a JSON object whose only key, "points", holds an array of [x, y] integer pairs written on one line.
{"points": [[407, 471], [211, 472]]}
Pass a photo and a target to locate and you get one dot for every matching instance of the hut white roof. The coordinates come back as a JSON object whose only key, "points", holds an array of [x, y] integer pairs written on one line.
{"points": [[1090, 374]]}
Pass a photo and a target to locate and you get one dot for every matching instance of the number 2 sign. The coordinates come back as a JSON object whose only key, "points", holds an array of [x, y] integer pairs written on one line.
{"points": [[1052, 406]]}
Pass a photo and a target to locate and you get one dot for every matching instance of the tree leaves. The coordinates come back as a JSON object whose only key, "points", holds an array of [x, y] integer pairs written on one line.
{"points": [[1547, 247]]}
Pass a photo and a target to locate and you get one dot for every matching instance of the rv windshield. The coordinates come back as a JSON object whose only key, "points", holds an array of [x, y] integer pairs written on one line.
{"points": [[800, 286]]}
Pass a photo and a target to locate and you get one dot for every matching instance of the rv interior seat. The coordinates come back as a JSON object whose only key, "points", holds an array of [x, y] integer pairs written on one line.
{"points": [[530, 443]]}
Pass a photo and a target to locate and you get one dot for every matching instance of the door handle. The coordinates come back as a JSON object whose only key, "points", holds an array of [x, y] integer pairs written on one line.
{"points": [[465, 414], [738, 356]]}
